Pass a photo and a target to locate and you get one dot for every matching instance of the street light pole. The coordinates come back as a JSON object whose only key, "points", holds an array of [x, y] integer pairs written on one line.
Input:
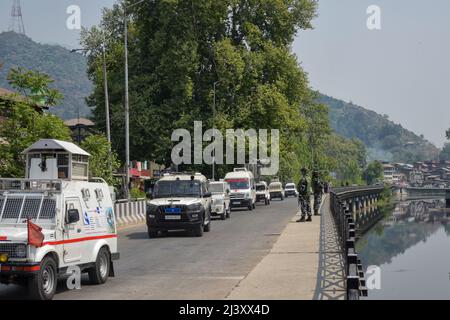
{"points": [[214, 128], [127, 106], [127, 113]]}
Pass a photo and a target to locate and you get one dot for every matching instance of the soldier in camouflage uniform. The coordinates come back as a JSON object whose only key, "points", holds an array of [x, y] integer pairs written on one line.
{"points": [[303, 197], [317, 187]]}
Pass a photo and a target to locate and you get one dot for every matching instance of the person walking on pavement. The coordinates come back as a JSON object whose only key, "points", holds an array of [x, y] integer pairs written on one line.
{"points": [[317, 187], [303, 197]]}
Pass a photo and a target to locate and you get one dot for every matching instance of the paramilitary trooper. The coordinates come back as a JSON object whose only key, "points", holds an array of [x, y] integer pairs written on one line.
{"points": [[317, 187], [303, 197]]}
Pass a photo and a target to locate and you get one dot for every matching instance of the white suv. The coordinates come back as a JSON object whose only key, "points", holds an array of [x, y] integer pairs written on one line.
{"points": [[262, 193], [181, 201], [220, 199]]}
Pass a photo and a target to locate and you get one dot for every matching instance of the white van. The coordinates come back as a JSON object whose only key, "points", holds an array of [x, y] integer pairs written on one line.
{"points": [[242, 186], [76, 216]]}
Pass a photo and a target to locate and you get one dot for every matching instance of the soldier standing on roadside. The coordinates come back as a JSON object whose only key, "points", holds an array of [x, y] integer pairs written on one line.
{"points": [[317, 187], [303, 197]]}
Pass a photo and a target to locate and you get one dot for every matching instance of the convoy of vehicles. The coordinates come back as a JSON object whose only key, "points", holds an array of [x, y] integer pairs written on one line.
{"points": [[70, 217], [276, 190], [290, 190], [220, 199], [262, 193], [181, 201], [242, 186]]}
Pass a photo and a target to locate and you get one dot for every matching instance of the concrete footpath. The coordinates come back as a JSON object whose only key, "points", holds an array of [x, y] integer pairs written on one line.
{"points": [[290, 270]]}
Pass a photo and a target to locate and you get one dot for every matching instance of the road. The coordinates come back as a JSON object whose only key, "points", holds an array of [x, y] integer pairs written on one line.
{"points": [[183, 267]]}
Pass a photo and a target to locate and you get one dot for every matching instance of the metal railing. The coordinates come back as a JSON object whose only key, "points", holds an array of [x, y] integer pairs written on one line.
{"points": [[346, 229]]}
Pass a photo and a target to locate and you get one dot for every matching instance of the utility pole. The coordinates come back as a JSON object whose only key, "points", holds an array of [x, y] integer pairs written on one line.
{"points": [[127, 103], [16, 25], [214, 128], [127, 114]]}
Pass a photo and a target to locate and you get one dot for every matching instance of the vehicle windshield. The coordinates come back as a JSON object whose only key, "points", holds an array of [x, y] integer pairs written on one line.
{"points": [[238, 183], [290, 186], [177, 188], [260, 187], [216, 188]]}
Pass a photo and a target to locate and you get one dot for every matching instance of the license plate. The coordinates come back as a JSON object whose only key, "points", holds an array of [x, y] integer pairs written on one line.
{"points": [[174, 217], [172, 210], [236, 202]]}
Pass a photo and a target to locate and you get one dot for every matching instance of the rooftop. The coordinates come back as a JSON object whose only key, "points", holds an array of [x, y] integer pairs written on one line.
{"points": [[52, 144]]}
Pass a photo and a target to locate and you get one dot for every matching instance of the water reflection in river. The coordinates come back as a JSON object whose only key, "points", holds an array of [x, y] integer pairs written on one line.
{"points": [[412, 248]]}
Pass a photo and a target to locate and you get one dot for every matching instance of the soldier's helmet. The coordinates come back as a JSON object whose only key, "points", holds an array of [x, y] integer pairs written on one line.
{"points": [[304, 171]]}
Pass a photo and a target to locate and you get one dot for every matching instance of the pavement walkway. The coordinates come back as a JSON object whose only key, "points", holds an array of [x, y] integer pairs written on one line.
{"points": [[304, 264]]}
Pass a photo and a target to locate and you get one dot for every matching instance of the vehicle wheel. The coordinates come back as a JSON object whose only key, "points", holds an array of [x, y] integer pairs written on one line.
{"points": [[152, 233], [43, 285], [198, 231], [250, 207], [223, 216], [100, 273]]}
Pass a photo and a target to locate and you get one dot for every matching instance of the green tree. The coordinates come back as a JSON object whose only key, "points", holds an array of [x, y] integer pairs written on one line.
{"points": [[178, 49], [34, 85], [101, 163], [22, 127], [373, 173], [445, 153]]}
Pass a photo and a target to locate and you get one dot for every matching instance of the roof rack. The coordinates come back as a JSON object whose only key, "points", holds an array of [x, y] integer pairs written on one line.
{"points": [[30, 185]]}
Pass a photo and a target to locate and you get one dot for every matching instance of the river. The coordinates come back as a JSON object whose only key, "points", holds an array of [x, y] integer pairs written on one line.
{"points": [[411, 247]]}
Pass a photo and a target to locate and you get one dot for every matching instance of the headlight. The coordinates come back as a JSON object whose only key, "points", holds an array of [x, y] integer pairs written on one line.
{"points": [[194, 207], [151, 208], [3, 258], [21, 251]]}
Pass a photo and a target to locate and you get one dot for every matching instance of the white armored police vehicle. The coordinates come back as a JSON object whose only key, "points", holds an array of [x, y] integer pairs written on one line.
{"points": [[72, 216]]}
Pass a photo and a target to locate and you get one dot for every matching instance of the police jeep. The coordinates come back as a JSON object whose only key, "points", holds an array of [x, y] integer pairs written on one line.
{"points": [[181, 201]]}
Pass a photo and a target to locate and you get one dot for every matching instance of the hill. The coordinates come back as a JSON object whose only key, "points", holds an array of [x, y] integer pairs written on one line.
{"points": [[66, 68], [384, 139]]}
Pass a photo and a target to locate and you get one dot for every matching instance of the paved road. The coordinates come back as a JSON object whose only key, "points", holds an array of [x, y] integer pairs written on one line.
{"points": [[182, 267]]}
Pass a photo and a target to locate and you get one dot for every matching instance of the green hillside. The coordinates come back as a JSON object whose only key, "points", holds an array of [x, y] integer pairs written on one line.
{"points": [[384, 139], [66, 68]]}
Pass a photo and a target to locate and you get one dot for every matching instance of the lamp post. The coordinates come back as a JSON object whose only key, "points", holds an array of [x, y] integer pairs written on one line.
{"points": [[127, 106], [214, 127]]}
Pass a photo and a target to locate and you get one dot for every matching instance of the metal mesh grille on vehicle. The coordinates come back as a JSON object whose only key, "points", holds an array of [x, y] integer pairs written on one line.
{"points": [[18, 208], [237, 195], [10, 249]]}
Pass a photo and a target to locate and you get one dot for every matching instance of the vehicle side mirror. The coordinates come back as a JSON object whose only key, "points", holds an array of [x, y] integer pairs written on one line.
{"points": [[207, 195], [73, 216]]}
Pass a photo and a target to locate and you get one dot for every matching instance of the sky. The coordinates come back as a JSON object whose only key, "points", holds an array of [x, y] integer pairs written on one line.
{"points": [[402, 70]]}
